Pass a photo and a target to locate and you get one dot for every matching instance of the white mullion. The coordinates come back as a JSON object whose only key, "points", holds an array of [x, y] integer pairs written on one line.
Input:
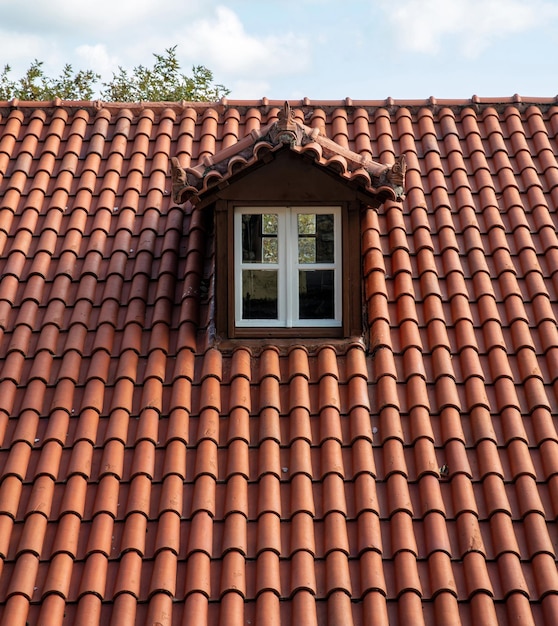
{"points": [[287, 266]]}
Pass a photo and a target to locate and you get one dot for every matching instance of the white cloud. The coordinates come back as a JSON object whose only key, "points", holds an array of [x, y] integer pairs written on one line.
{"points": [[106, 32], [244, 61], [18, 49], [207, 33], [224, 45], [97, 58], [424, 25], [101, 16], [249, 89]]}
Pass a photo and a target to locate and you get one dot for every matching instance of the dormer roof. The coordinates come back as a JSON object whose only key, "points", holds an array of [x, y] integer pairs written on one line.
{"points": [[380, 180]]}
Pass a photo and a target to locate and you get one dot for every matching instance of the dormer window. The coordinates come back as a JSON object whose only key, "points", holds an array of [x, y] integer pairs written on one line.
{"points": [[286, 203], [288, 267]]}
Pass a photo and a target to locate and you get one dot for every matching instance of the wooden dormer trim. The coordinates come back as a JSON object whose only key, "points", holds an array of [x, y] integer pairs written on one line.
{"points": [[288, 180]]}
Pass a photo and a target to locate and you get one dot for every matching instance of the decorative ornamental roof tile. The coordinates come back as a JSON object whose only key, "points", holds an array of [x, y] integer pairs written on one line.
{"points": [[193, 183]]}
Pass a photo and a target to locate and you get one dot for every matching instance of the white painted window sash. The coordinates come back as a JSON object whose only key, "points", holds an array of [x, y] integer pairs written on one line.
{"points": [[288, 267]]}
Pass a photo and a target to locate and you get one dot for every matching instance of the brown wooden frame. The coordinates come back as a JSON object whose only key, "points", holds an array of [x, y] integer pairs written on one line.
{"points": [[288, 181]]}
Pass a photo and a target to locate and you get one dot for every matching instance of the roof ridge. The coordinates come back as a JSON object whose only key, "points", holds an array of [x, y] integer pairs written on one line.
{"points": [[225, 103]]}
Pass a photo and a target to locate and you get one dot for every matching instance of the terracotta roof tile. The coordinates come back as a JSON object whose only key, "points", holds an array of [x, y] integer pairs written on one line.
{"points": [[147, 475]]}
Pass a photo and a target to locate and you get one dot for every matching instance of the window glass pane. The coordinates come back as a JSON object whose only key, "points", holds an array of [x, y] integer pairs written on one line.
{"points": [[306, 249], [259, 294], [306, 224], [325, 238], [259, 238], [270, 250], [315, 238], [270, 224], [316, 294]]}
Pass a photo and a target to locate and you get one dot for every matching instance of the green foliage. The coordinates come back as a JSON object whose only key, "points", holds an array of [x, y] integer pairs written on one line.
{"points": [[35, 85], [164, 82]]}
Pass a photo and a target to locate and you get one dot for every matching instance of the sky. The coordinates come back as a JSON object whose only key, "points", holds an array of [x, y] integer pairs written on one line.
{"points": [[291, 49]]}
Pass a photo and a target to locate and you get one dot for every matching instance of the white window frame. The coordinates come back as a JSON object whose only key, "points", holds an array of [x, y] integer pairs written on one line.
{"points": [[288, 267]]}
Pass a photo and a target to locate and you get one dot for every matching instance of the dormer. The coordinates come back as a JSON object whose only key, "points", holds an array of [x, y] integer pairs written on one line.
{"points": [[287, 203]]}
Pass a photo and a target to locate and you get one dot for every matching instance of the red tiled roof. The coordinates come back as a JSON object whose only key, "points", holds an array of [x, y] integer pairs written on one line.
{"points": [[148, 477]]}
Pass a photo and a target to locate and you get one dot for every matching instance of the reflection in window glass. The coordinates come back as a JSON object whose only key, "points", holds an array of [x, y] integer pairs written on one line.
{"points": [[306, 249], [259, 294], [324, 239], [316, 294], [270, 250], [270, 224], [259, 238], [306, 224], [315, 238]]}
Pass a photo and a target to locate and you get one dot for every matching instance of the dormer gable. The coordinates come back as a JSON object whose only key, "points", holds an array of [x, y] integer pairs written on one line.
{"points": [[373, 180], [287, 203]]}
